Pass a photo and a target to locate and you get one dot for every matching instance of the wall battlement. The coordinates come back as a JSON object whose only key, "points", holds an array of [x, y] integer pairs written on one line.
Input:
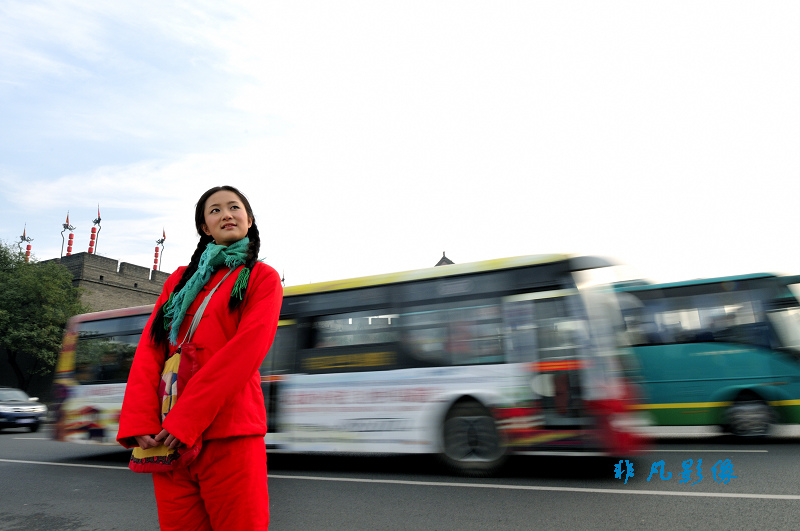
{"points": [[108, 284]]}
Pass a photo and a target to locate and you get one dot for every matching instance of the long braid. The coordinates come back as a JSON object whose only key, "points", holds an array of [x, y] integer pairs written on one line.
{"points": [[158, 333], [250, 262]]}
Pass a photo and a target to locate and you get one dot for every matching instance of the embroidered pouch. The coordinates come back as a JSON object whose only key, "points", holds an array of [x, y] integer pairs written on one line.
{"points": [[177, 371]]}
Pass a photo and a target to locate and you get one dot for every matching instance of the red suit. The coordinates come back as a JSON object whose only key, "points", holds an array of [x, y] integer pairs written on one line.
{"points": [[222, 405]]}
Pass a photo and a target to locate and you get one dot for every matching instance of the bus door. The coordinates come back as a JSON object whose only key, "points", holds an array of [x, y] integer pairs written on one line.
{"points": [[544, 331]]}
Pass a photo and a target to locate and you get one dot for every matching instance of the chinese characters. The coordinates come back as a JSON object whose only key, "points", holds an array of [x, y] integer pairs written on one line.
{"points": [[722, 471]]}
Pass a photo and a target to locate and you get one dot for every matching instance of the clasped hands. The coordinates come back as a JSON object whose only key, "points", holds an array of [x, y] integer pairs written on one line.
{"points": [[146, 442]]}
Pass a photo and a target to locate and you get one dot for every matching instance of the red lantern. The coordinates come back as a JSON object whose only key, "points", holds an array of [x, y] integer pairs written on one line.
{"points": [[29, 248], [155, 268], [155, 261], [94, 230]]}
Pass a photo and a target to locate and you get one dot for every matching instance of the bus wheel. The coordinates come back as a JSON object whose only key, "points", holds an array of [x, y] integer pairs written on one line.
{"points": [[749, 418], [472, 444]]}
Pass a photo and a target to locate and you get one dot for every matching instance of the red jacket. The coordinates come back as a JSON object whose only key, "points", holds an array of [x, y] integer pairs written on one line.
{"points": [[223, 398]]}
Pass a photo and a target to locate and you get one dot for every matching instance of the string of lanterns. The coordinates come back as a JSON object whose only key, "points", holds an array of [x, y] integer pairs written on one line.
{"points": [[94, 237], [156, 264], [25, 239], [70, 228]]}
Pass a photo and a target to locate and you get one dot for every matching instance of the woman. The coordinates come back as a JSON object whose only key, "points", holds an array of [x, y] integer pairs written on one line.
{"points": [[221, 405]]}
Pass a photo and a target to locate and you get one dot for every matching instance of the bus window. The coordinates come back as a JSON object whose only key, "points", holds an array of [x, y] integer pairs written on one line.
{"points": [[349, 342], [560, 333], [278, 362], [542, 326], [362, 328], [721, 317], [467, 333], [280, 358], [104, 359], [786, 322]]}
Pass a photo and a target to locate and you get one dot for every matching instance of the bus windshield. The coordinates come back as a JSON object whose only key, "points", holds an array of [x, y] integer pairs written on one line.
{"points": [[784, 315], [105, 348]]}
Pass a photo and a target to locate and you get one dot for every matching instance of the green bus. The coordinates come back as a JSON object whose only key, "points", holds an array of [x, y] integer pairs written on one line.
{"points": [[717, 351]]}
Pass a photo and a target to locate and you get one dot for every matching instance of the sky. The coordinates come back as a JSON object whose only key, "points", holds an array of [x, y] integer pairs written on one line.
{"points": [[371, 137]]}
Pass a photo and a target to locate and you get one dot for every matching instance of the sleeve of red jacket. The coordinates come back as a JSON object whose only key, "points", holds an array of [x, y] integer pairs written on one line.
{"points": [[230, 368], [141, 409]]}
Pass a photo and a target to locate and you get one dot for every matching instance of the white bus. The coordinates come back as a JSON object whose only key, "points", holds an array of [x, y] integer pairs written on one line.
{"points": [[468, 361]]}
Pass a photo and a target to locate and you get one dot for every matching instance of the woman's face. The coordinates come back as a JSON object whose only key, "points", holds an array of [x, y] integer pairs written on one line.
{"points": [[226, 219]]}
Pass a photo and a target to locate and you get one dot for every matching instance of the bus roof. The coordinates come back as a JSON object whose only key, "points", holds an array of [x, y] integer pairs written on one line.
{"points": [[642, 285], [111, 314], [576, 263]]}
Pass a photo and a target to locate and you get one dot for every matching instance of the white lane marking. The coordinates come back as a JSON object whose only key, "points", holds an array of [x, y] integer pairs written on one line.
{"points": [[556, 489], [476, 485], [717, 451], [19, 461], [32, 439]]}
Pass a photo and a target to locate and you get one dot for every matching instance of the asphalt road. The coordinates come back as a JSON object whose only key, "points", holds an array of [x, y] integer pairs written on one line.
{"points": [[46, 485]]}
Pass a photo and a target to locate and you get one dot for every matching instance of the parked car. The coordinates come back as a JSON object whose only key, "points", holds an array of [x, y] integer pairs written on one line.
{"points": [[18, 410]]}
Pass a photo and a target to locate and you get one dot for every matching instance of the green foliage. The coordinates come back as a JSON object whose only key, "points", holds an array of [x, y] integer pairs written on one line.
{"points": [[36, 299]]}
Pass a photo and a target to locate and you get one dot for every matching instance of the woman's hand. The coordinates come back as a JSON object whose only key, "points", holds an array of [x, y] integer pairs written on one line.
{"points": [[170, 441], [146, 442]]}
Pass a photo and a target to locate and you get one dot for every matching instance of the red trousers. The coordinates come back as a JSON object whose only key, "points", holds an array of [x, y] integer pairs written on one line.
{"points": [[224, 488]]}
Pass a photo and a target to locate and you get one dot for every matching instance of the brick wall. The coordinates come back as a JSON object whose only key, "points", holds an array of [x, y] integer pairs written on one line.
{"points": [[108, 284]]}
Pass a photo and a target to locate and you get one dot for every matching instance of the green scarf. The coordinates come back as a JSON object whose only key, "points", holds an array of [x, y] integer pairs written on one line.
{"points": [[214, 257]]}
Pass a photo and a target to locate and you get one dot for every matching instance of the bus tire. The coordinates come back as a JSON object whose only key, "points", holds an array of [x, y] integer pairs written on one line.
{"points": [[471, 443], [749, 417]]}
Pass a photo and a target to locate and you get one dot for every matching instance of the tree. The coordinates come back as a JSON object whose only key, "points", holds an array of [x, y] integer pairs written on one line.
{"points": [[36, 299]]}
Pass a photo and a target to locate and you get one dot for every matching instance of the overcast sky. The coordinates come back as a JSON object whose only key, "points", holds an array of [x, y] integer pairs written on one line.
{"points": [[371, 136]]}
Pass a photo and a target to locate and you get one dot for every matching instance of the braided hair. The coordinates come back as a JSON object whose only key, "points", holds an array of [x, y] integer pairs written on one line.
{"points": [[158, 333]]}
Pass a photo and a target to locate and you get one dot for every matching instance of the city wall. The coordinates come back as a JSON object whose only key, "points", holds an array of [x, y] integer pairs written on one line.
{"points": [[108, 284]]}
